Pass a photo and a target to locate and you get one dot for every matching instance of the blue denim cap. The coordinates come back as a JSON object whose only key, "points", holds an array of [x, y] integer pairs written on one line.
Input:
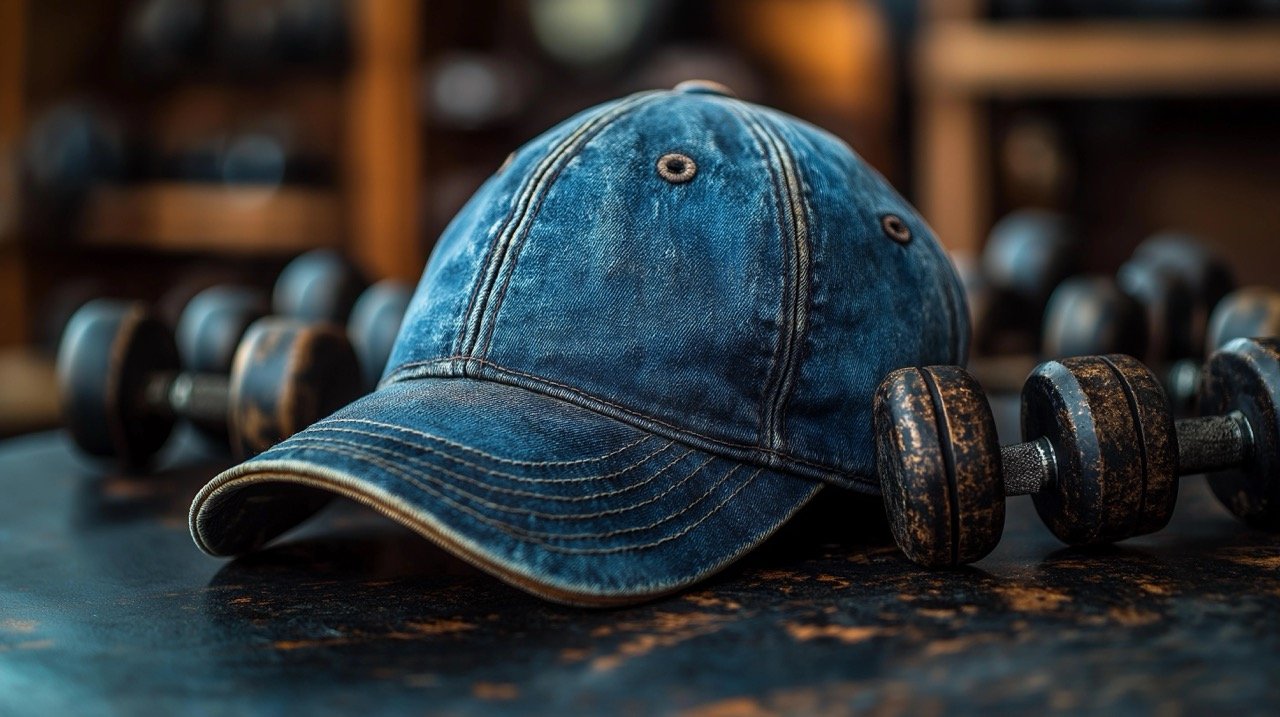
{"points": [[640, 348]]}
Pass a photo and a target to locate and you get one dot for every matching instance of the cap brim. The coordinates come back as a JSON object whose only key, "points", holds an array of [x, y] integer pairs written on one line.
{"points": [[561, 501]]}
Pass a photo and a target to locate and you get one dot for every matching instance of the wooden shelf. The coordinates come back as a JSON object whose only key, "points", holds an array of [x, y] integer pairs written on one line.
{"points": [[197, 217], [1101, 58]]}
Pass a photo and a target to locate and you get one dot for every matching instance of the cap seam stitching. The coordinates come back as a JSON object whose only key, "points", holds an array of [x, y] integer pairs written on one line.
{"points": [[830, 474], [513, 531], [473, 316], [326, 426], [384, 458], [505, 263], [426, 464], [762, 411]]}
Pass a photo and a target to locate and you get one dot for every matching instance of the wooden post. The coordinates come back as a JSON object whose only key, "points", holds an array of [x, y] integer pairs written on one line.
{"points": [[384, 138], [952, 167], [13, 299], [952, 173]]}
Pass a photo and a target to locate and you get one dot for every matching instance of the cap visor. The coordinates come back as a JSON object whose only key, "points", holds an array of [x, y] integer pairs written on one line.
{"points": [[561, 501]]}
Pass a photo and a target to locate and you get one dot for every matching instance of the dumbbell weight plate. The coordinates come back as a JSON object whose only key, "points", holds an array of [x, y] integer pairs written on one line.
{"points": [[1251, 312], [938, 457], [109, 351], [1028, 253], [1169, 304], [212, 324], [1205, 274], [319, 285], [375, 322], [287, 375], [1245, 376], [1089, 315], [1114, 445]]}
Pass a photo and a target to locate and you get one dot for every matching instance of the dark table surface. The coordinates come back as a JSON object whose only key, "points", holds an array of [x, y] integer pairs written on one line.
{"points": [[106, 607]]}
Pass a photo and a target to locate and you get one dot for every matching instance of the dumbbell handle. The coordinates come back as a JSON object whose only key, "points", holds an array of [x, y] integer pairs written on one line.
{"points": [[1212, 443], [1028, 467], [1205, 444], [199, 397]]}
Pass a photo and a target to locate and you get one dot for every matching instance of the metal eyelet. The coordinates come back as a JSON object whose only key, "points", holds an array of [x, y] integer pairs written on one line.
{"points": [[676, 168], [895, 228]]}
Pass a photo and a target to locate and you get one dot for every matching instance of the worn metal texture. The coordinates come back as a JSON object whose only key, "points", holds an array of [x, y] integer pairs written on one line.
{"points": [[938, 456], [1244, 377], [287, 375], [1079, 404], [107, 608]]}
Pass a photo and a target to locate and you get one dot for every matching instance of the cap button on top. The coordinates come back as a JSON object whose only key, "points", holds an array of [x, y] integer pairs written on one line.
{"points": [[704, 87]]}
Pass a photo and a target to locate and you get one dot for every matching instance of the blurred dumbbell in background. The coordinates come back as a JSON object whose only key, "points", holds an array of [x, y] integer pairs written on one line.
{"points": [[1169, 305], [1027, 254], [123, 388]]}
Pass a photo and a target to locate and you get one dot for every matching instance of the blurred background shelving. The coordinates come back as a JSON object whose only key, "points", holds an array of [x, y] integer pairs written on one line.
{"points": [[150, 147]]}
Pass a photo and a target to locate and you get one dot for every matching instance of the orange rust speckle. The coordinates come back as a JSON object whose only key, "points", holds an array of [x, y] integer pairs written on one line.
{"points": [[732, 707], [122, 488], [307, 644], [705, 600], [665, 629], [25, 627], [495, 691], [835, 581], [1033, 599], [1156, 589], [1132, 617], [779, 575], [29, 645], [848, 634], [955, 645], [246, 600], [574, 654], [440, 627], [940, 613], [1266, 562]]}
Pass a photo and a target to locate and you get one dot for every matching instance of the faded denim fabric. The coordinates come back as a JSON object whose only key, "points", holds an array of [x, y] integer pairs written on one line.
{"points": [[610, 385]]}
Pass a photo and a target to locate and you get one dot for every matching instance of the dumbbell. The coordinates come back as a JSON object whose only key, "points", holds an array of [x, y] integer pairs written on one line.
{"points": [[123, 390], [162, 37], [1027, 254], [321, 285], [1100, 455], [1251, 312], [1206, 274], [1144, 311]]}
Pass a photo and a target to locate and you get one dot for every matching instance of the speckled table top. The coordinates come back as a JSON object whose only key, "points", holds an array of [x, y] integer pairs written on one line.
{"points": [[106, 607]]}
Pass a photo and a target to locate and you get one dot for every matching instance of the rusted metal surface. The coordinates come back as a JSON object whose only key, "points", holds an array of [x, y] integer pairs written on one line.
{"points": [[108, 608], [287, 375], [1108, 457], [1244, 377], [939, 460]]}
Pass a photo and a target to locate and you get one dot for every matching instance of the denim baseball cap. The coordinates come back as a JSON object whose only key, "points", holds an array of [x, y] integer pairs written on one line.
{"points": [[644, 344]]}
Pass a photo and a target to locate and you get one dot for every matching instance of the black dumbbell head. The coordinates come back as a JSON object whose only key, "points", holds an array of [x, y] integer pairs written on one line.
{"points": [[1244, 376], [1208, 275], [1028, 253], [212, 324], [1089, 315], [1169, 307], [109, 352], [287, 375], [375, 323], [1251, 312], [1114, 445], [320, 285], [938, 457]]}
